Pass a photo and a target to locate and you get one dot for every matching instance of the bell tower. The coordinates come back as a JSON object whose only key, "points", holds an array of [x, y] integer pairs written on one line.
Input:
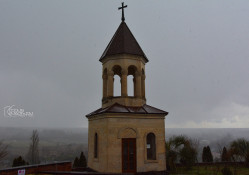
{"points": [[123, 56], [125, 135]]}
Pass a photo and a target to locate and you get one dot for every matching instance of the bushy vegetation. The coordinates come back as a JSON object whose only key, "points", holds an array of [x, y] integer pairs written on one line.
{"points": [[225, 157], [19, 161], [226, 171], [183, 151], [80, 162], [207, 155], [239, 150]]}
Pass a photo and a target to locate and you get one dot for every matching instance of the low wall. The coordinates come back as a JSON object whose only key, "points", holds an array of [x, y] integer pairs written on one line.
{"points": [[33, 169]]}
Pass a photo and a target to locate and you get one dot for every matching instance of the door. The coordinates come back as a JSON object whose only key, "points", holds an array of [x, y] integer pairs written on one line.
{"points": [[129, 158]]}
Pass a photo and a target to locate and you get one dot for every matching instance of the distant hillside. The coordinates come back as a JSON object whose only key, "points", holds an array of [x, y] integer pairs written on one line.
{"points": [[65, 144], [78, 135], [54, 145], [211, 136]]}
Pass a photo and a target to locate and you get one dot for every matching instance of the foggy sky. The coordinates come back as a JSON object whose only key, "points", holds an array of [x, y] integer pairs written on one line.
{"points": [[198, 67]]}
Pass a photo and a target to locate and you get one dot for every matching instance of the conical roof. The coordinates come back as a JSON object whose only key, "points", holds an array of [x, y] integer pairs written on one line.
{"points": [[123, 42]]}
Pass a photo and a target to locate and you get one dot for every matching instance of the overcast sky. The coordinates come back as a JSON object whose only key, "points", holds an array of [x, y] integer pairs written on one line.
{"points": [[198, 53]]}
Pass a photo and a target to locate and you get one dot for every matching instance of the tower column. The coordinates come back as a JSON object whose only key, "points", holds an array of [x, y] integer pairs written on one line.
{"points": [[110, 84], [143, 86], [104, 77], [134, 86], [124, 74], [138, 84]]}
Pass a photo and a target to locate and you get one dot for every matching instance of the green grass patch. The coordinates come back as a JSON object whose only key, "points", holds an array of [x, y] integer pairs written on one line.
{"points": [[210, 170]]}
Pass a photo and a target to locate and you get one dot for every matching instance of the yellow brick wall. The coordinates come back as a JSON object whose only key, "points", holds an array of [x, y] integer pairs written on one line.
{"points": [[112, 128]]}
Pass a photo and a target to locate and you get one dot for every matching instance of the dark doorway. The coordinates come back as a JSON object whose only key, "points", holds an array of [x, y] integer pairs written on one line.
{"points": [[129, 159]]}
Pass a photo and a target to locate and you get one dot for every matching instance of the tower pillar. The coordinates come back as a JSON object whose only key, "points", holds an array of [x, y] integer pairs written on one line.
{"points": [[138, 84], [143, 86], [104, 77], [110, 83], [124, 74]]}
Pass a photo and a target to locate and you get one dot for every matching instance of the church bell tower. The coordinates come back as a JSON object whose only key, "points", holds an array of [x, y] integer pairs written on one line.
{"points": [[125, 134]]}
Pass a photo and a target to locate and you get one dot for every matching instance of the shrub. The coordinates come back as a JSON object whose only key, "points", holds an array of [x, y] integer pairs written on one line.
{"points": [[226, 171]]}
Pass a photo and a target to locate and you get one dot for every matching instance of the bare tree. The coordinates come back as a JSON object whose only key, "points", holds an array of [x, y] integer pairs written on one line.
{"points": [[3, 150], [33, 154], [219, 148]]}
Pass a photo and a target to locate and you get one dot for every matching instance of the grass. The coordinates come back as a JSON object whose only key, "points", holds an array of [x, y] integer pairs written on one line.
{"points": [[210, 170]]}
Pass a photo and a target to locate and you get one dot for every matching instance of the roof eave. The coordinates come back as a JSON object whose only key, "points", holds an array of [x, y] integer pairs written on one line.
{"points": [[102, 58], [127, 113]]}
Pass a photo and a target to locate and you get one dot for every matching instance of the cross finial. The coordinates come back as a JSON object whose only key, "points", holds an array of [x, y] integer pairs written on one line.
{"points": [[123, 18]]}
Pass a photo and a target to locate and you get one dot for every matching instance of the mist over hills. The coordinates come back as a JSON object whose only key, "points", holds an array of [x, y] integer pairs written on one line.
{"points": [[210, 135], [67, 143], [78, 135], [216, 138]]}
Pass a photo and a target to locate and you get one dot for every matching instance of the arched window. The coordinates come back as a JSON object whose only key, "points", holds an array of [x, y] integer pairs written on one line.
{"points": [[117, 86], [96, 145], [151, 146], [117, 77], [131, 80]]}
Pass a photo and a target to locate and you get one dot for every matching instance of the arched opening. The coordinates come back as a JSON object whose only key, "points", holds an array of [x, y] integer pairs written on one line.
{"points": [[131, 81], [130, 85], [117, 77], [96, 145], [151, 146], [117, 86]]}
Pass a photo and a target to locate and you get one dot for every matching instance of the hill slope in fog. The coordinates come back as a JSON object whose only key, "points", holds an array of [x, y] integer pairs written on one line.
{"points": [[65, 144]]}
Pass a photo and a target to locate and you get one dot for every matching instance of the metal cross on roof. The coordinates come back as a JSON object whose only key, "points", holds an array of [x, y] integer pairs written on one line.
{"points": [[123, 18]]}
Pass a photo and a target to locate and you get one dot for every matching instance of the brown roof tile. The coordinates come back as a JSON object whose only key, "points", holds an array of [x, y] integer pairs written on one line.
{"points": [[118, 108], [123, 42]]}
